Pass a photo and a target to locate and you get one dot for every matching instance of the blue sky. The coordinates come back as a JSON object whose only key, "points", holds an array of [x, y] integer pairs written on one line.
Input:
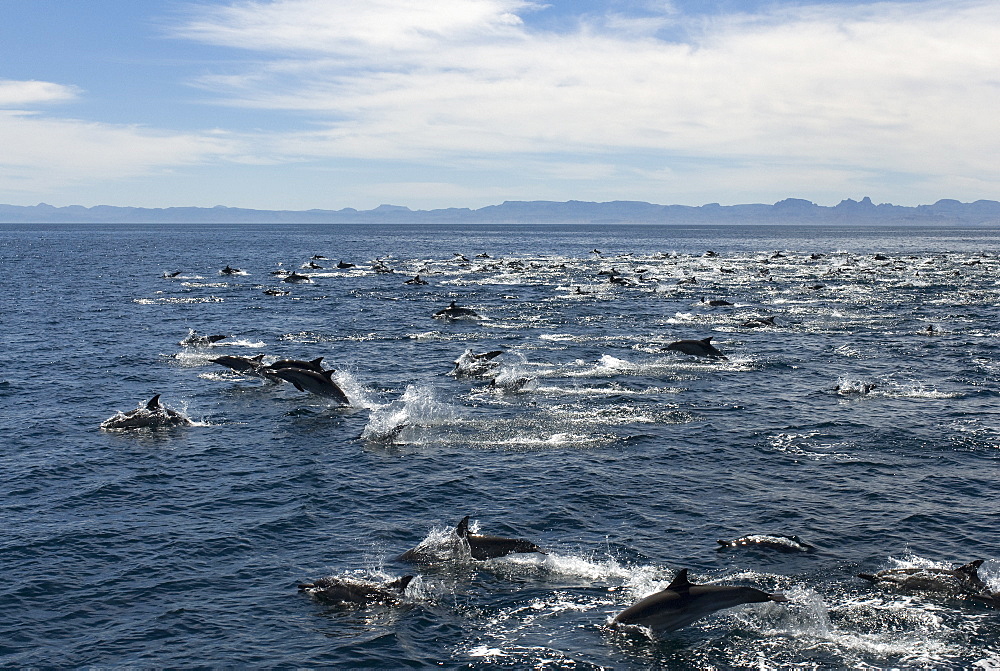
{"points": [[300, 104]]}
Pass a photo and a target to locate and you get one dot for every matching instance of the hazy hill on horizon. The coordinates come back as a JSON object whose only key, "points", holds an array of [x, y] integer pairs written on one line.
{"points": [[788, 211]]}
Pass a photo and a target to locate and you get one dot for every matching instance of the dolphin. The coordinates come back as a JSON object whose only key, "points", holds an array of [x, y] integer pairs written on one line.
{"points": [[344, 264], [989, 598], [455, 311], [962, 579], [296, 363], [773, 542], [683, 602], [481, 546], [860, 388], [153, 415], [230, 271], [701, 347], [472, 364], [319, 383], [347, 591], [511, 384], [758, 322], [296, 277], [242, 364], [715, 302], [416, 279], [195, 340]]}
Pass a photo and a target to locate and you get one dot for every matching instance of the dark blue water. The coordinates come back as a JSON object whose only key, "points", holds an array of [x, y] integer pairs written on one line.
{"points": [[183, 546]]}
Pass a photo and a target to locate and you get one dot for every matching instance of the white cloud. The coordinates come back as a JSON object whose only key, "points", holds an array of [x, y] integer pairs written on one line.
{"points": [[475, 100], [42, 154], [16, 94], [353, 28], [891, 86]]}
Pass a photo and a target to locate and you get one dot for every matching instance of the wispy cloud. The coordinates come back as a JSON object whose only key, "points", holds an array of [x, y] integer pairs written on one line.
{"points": [[43, 153], [900, 87], [16, 94], [484, 100]]}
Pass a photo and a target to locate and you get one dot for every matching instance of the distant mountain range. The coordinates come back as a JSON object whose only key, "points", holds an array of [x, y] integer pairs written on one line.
{"points": [[788, 211]]}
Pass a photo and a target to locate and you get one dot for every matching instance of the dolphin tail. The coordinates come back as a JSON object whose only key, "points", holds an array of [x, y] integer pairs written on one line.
{"points": [[462, 530], [154, 403]]}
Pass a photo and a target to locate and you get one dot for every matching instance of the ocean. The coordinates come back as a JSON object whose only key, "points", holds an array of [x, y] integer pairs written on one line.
{"points": [[864, 420]]}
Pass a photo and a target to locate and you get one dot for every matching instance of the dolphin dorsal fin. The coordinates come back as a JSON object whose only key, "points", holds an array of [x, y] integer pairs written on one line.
{"points": [[680, 582], [316, 361], [462, 530], [708, 340], [258, 358], [972, 568], [154, 403], [401, 583]]}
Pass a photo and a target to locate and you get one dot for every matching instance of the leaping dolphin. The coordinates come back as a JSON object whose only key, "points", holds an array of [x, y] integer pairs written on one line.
{"points": [[346, 591], [962, 579], [472, 364], [296, 363], [683, 602], [455, 311], [481, 546], [770, 541], [703, 347], [242, 364], [194, 339], [153, 415], [319, 383], [758, 322]]}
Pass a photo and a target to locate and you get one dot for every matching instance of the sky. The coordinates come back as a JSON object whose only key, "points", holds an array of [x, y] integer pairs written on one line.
{"points": [[327, 104]]}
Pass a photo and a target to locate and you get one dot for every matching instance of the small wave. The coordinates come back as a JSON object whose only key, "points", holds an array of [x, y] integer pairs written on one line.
{"points": [[193, 357], [416, 407], [357, 395], [198, 285], [177, 300], [253, 344]]}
